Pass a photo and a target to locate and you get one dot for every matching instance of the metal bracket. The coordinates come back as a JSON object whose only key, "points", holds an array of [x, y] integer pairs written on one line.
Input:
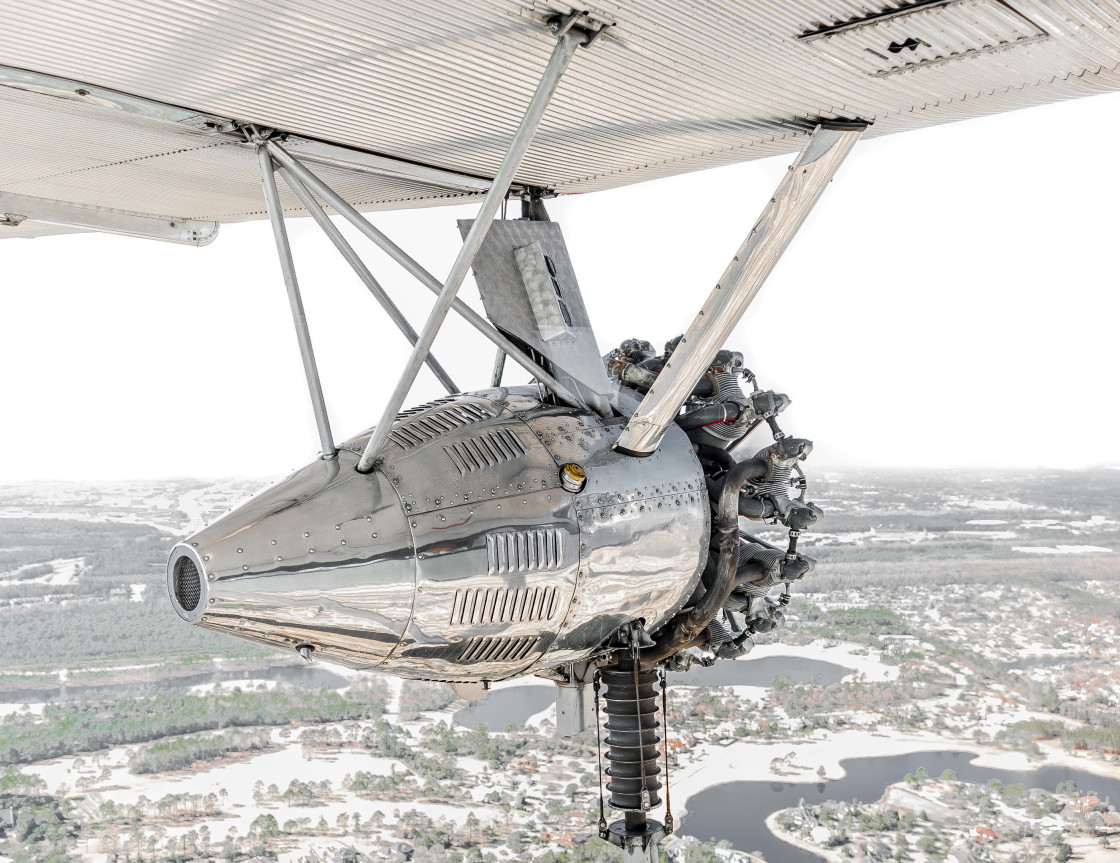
{"points": [[580, 20]]}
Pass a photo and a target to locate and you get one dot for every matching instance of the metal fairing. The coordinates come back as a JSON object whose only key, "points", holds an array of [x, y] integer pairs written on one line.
{"points": [[324, 557], [541, 307], [423, 570], [644, 528]]}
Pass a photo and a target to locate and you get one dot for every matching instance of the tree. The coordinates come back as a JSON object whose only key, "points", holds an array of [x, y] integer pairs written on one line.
{"points": [[1066, 788], [265, 826]]}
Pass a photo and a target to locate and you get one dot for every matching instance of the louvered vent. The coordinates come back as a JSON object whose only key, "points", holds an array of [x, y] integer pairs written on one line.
{"points": [[436, 423], [918, 35], [503, 605], [427, 406], [498, 649], [525, 551], [486, 450]]}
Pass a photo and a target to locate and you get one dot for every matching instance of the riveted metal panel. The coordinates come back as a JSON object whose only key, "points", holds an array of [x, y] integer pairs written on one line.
{"points": [[483, 589], [644, 528], [434, 463], [529, 288], [324, 557], [470, 590]]}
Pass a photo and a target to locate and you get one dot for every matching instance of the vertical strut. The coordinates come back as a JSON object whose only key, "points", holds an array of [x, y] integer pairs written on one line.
{"points": [[299, 318], [347, 251], [499, 368], [565, 47]]}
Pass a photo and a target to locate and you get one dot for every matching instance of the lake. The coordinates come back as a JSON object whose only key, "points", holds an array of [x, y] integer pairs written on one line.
{"points": [[737, 811], [760, 672], [504, 707], [516, 704]]}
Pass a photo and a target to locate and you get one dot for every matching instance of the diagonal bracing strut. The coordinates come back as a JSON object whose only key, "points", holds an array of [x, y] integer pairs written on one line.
{"points": [[287, 265], [566, 46], [301, 173], [347, 251]]}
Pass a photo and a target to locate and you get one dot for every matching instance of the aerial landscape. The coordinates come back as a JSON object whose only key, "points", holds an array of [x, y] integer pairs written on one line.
{"points": [[945, 688], [571, 596]]}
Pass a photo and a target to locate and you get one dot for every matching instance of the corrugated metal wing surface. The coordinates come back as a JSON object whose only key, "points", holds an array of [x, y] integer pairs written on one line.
{"points": [[670, 87]]}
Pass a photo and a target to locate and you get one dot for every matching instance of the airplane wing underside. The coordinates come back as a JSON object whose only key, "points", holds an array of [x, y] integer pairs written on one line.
{"points": [[129, 105]]}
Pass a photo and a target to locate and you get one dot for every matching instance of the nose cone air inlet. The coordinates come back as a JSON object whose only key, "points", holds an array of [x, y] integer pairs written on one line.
{"points": [[186, 583], [324, 559]]}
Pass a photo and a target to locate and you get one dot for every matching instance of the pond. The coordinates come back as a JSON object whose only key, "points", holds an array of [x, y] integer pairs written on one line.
{"points": [[760, 672], [516, 704], [1045, 662], [737, 811], [504, 707], [296, 675]]}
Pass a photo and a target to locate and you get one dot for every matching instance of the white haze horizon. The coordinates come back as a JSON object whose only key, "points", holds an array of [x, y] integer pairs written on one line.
{"points": [[951, 303]]}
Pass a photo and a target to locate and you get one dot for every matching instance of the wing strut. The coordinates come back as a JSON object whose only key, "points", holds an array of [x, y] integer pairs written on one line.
{"points": [[297, 170], [276, 216], [299, 317], [802, 186], [566, 46]]}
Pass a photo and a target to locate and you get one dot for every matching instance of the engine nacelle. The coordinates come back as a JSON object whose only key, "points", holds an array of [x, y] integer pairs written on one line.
{"points": [[462, 557]]}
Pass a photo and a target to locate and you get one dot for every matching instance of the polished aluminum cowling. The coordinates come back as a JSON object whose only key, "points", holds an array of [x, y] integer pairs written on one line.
{"points": [[462, 557]]}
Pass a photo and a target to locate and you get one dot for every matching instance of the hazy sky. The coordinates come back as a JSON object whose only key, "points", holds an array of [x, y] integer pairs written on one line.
{"points": [[952, 301]]}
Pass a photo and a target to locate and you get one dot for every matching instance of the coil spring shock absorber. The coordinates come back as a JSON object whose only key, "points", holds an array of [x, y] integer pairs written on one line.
{"points": [[632, 741]]}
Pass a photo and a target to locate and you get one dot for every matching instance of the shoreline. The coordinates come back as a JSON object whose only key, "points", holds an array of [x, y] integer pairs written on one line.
{"points": [[744, 761], [797, 842]]}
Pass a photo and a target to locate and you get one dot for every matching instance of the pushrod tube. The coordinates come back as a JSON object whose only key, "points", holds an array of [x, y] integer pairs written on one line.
{"points": [[499, 367], [566, 46], [347, 251], [299, 318], [298, 170], [802, 186]]}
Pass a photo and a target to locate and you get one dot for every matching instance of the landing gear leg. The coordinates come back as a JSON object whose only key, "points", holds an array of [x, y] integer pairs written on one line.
{"points": [[633, 753]]}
